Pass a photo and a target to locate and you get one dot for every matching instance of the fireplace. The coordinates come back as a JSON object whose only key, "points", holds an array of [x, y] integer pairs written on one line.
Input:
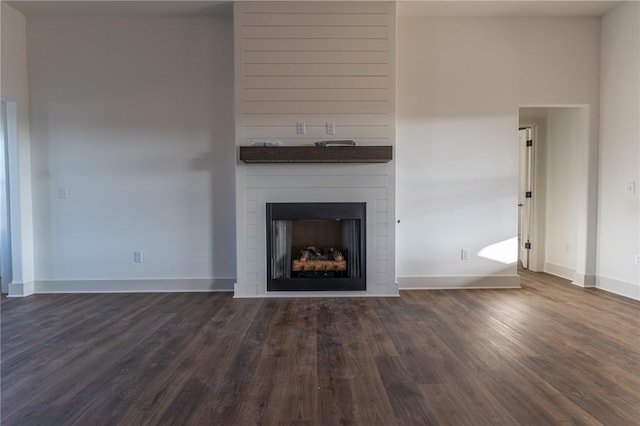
{"points": [[316, 246]]}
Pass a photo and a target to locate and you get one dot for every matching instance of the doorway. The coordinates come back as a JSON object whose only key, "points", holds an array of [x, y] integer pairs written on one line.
{"points": [[551, 143], [525, 193]]}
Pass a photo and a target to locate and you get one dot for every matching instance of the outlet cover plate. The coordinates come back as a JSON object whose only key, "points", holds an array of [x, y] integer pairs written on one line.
{"points": [[631, 187], [464, 254], [63, 193]]}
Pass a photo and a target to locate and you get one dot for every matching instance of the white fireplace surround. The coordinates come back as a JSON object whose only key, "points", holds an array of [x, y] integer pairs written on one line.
{"points": [[294, 82], [262, 184]]}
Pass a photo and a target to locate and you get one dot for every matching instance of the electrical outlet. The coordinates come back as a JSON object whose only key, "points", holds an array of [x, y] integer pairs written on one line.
{"points": [[464, 254], [637, 259], [300, 128], [331, 128], [137, 257], [63, 193], [631, 187]]}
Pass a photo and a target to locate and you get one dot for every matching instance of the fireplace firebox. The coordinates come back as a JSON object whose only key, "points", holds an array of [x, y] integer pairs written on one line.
{"points": [[316, 246]]}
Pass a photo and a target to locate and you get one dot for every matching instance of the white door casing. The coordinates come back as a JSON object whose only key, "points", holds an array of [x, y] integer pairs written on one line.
{"points": [[525, 193]]}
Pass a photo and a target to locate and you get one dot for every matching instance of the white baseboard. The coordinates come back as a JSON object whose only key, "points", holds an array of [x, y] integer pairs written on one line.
{"points": [[21, 289], [583, 280], [312, 294], [136, 286], [621, 288], [458, 282], [559, 271]]}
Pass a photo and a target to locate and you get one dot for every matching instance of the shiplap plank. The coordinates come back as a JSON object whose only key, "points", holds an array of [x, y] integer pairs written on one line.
{"points": [[346, 32], [328, 181], [317, 7], [365, 70], [317, 132], [290, 57], [343, 169], [283, 120], [316, 82], [253, 107], [310, 44], [315, 19], [316, 94]]}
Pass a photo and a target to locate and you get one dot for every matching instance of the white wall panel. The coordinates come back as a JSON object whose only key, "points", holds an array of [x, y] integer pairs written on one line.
{"points": [[461, 81], [323, 57], [316, 70], [325, 95], [619, 209], [336, 18], [322, 45], [317, 82], [317, 132], [134, 116], [348, 120], [316, 107], [322, 30], [295, 9]]}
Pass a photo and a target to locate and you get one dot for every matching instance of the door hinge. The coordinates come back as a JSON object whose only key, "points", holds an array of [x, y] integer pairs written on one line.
{"points": [[530, 142], [527, 245], [528, 194]]}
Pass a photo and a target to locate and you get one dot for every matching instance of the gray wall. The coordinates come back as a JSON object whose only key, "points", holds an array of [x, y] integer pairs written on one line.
{"points": [[134, 117], [619, 210]]}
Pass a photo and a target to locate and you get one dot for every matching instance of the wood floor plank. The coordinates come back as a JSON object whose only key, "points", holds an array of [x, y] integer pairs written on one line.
{"points": [[371, 404], [595, 396], [205, 357], [293, 394], [407, 401], [449, 405], [473, 399], [75, 360], [149, 359], [23, 330], [334, 368], [220, 369], [549, 353]]}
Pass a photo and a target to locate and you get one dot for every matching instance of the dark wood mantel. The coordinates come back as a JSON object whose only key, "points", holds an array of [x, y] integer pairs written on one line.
{"points": [[315, 154]]}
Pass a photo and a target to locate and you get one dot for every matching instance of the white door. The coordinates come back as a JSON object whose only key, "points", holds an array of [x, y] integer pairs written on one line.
{"points": [[525, 193]]}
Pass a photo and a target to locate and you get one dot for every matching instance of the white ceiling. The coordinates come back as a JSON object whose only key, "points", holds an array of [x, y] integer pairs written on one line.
{"points": [[123, 7], [505, 8], [405, 8]]}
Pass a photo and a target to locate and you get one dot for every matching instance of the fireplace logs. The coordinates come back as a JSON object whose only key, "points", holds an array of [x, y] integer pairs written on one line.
{"points": [[313, 260]]}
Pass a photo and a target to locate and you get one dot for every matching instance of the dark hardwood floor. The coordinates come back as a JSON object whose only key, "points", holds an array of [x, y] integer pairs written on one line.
{"points": [[550, 353]]}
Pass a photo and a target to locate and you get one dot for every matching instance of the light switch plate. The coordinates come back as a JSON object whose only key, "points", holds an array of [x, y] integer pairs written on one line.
{"points": [[331, 128]]}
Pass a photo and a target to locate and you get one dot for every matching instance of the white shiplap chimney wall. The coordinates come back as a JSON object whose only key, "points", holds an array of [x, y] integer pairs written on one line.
{"points": [[317, 63]]}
